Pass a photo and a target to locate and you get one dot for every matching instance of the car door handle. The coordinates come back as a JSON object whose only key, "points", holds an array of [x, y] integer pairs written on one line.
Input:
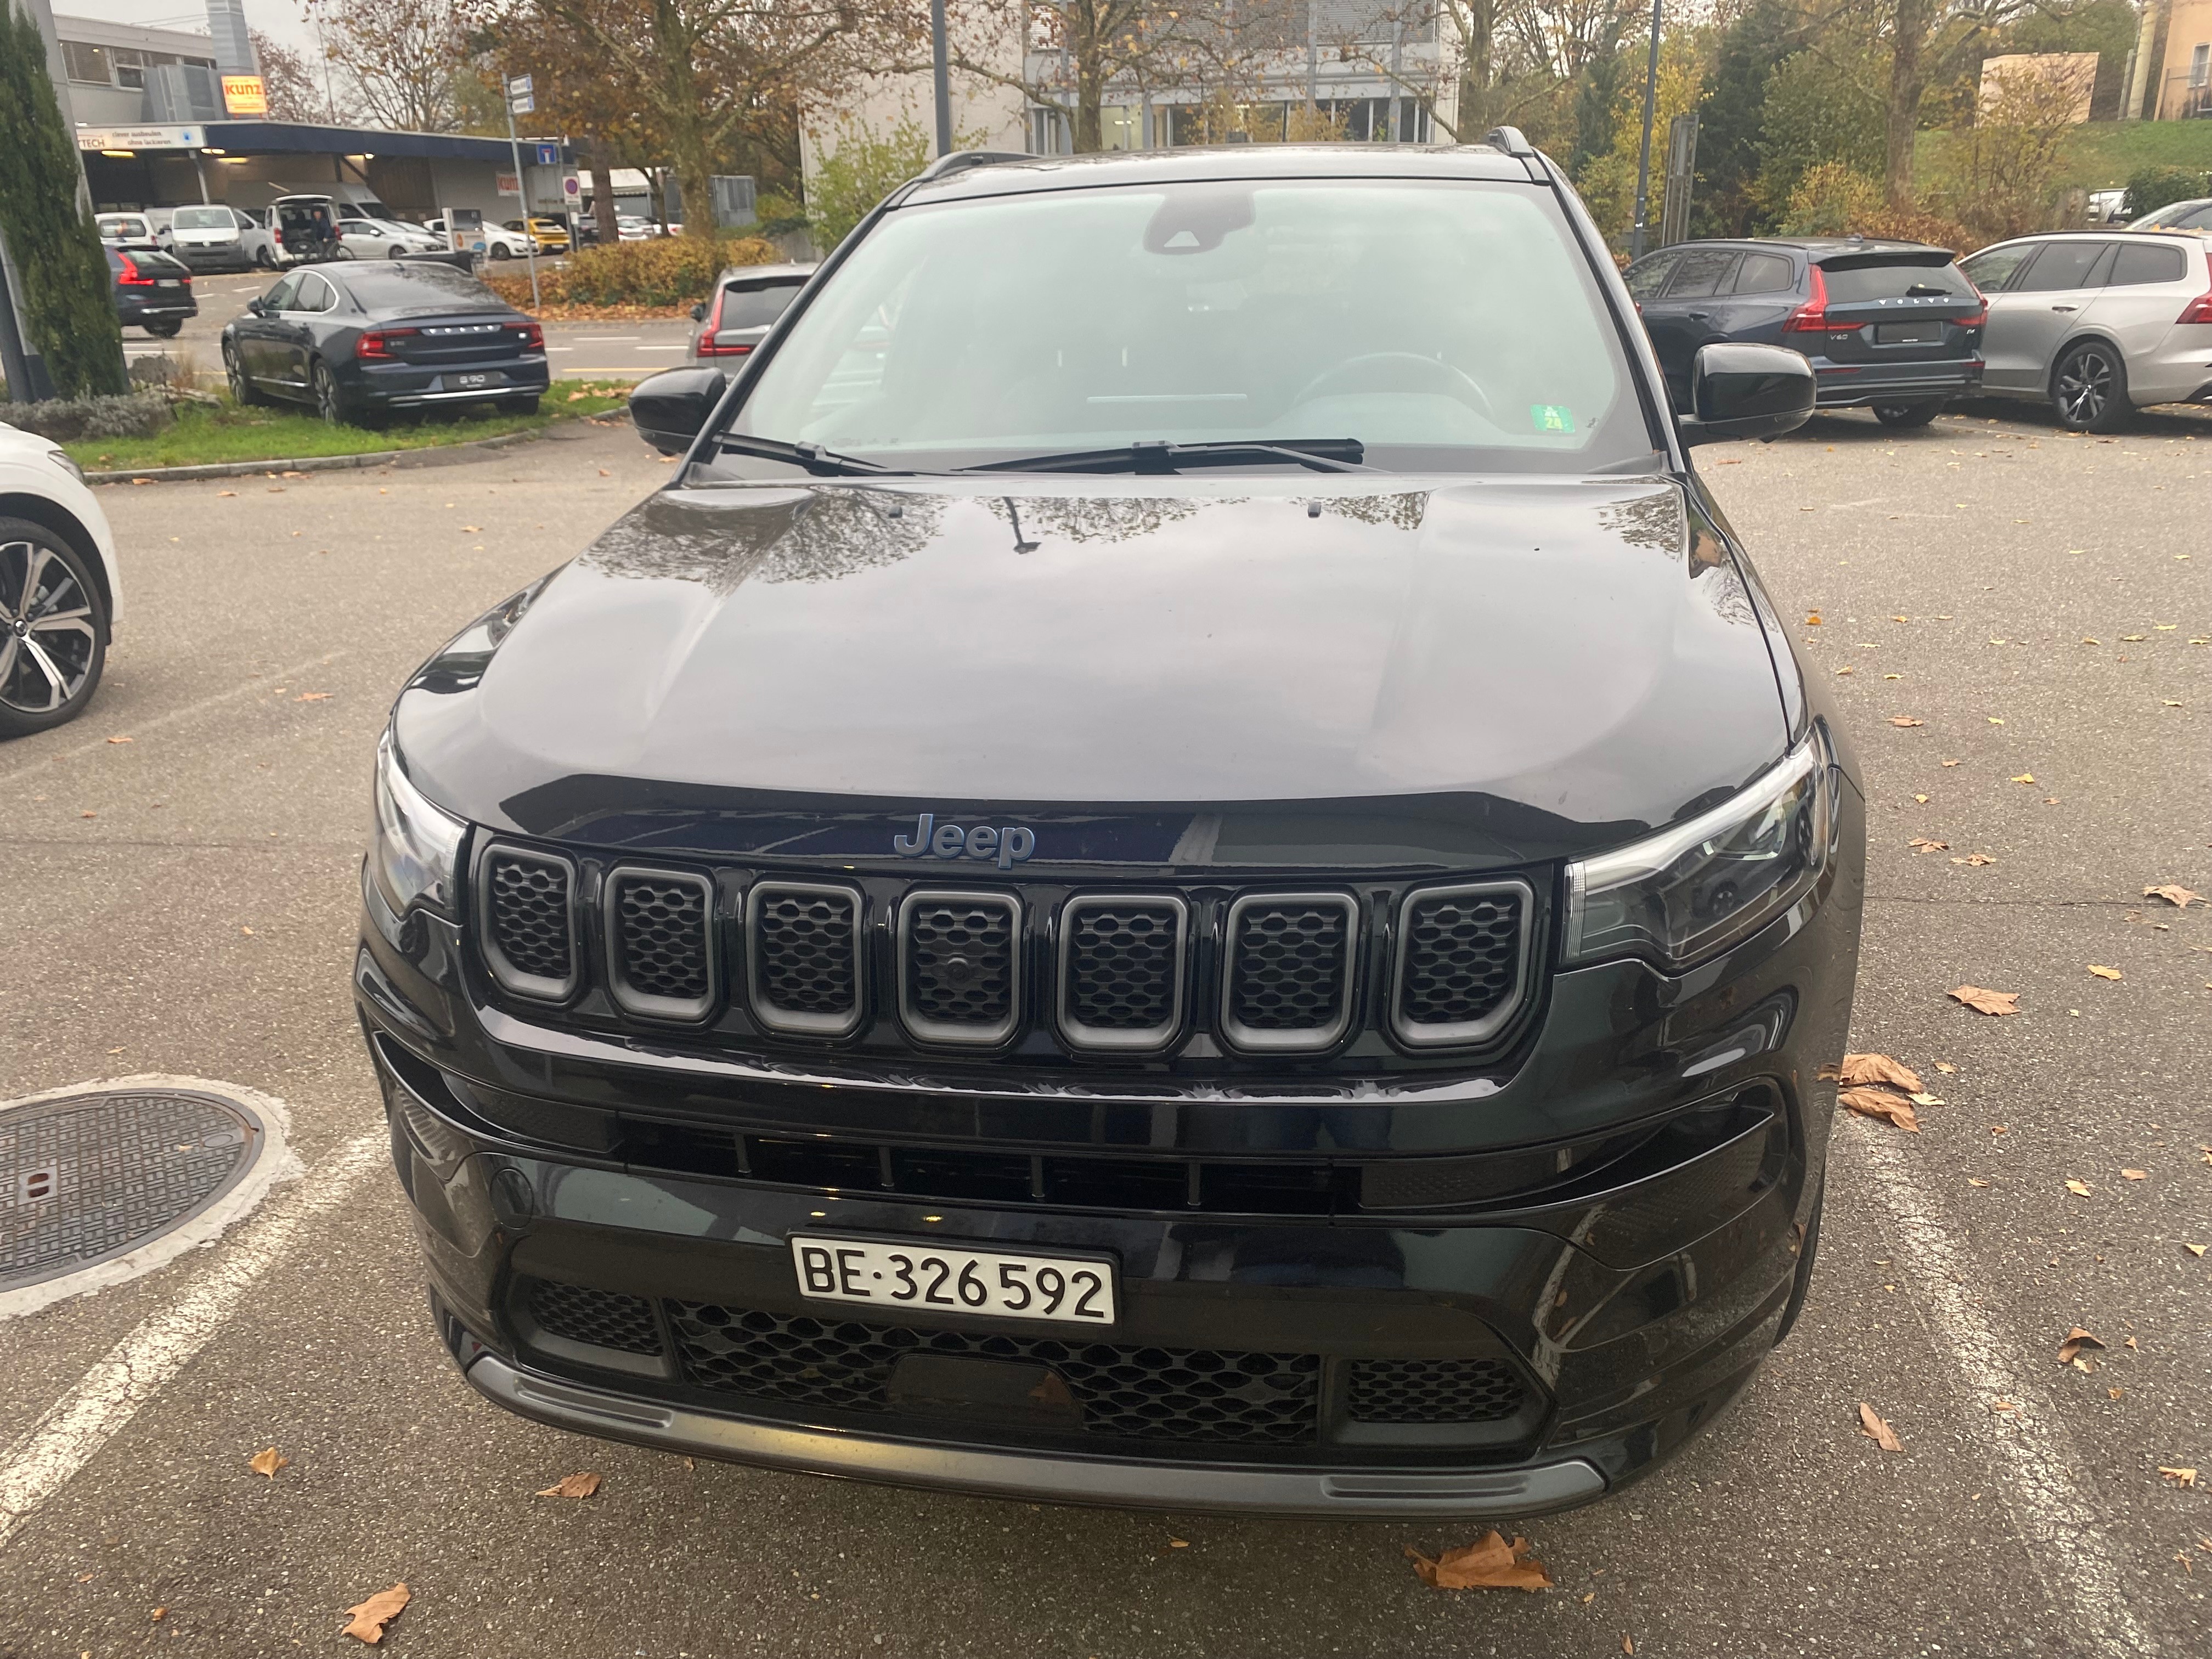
{"points": [[1702, 316], [2066, 307]]}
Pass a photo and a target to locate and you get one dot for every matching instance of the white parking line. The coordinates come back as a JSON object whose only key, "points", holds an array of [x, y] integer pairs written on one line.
{"points": [[2053, 1510], [73, 1430], [603, 339]]}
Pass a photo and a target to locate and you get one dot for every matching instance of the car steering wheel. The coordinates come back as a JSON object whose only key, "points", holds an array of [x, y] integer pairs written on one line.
{"points": [[1441, 377]]}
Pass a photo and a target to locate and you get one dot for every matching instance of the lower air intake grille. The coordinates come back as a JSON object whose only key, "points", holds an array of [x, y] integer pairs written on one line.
{"points": [[660, 940], [1123, 1392], [604, 1319], [1461, 961], [958, 966], [1120, 971], [803, 951], [1434, 1391], [1289, 970], [529, 934]]}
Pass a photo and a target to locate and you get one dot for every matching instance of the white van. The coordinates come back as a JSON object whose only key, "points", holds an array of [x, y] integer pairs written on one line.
{"points": [[209, 237]]}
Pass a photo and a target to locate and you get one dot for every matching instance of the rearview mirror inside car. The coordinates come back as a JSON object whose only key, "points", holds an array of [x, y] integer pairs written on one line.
{"points": [[669, 408], [1741, 390]]}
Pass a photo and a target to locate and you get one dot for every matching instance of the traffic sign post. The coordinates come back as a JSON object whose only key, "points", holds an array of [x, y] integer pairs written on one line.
{"points": [[520, 101]]}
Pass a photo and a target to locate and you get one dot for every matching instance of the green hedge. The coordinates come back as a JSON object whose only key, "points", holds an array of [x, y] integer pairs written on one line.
{"points": [[667, 271]]}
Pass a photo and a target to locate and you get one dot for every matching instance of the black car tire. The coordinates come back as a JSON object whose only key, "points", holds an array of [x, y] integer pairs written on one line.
{"points": [[262, 259], [1807, 1248], [76, 645], [518, 405], [331, 402], [243, 391], [501, 250], [2089, 388], [1906, 414], [164, 328]]}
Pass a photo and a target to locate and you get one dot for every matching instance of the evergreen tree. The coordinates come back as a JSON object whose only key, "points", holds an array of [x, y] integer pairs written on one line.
{"points": [[1733, 117], [65, 305]]}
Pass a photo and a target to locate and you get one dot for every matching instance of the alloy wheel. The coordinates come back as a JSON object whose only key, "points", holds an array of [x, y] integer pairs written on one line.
{"points": [[326, 397], [234, 372], [2085, 387], [49, 641]]}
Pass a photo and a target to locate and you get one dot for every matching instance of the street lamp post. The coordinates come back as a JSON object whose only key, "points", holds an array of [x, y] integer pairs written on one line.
{"points": [[940, 73], [1643, 158], [521, 99]]}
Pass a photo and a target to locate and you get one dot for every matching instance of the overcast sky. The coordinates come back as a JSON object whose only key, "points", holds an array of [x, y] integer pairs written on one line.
{"points": [[280, 19]]}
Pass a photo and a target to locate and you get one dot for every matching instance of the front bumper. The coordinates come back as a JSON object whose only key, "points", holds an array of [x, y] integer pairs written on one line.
{"points": [[1615, 1317]]}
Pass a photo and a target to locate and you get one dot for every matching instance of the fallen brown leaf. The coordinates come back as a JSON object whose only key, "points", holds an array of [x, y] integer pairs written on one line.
{"points": [[1178, 1543], [1812, 620], [2183, 1478], [1945, 1066], [574, 1486], [2079, 1188], [1905, 719], [2076, 1339], [2180, 897], [1875, 1429], [1921, 844], [2102, 972], [1985, 1002], [1627, 1644], [2197, 1249], [123, 740], [312, 696], [1871, 1100], [160, 1613], [2135, 1175], [1973, 1181], [1976, 860], [370, 1617], [2024, 777], [225, 492], [1489, 1563], [1950, 762], [1879, 1069], [267, 1461]]}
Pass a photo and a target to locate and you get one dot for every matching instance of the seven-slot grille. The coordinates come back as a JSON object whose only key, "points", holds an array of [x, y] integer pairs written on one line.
{"points": [[1462, 961], [959, 967], [1288, 984], [1283, 970]]}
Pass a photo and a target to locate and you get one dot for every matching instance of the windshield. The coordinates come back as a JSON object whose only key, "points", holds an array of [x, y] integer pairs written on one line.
{"points": [[201, 218], [1439, 323]]}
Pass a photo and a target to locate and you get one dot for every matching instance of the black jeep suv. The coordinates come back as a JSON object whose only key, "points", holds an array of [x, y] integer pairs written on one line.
{"points": [[1182, 865]]}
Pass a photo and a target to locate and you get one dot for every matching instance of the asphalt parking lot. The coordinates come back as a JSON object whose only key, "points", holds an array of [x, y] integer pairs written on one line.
{"points": [[2014, 628], [577, 350]]}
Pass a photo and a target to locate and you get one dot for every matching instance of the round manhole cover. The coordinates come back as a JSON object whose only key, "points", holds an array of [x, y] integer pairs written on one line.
{"points": [[88, 1175]]}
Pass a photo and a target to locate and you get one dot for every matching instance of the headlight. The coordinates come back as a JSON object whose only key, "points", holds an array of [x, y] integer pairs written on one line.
{"points": [[1705, 885], [414, 846], [60, 459]]}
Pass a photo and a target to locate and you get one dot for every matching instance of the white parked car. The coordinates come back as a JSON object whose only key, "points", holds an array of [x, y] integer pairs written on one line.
{"points": [[59, 592], [385, 238], [494, 241], [128, 229], [209, 237], [260, 239]]}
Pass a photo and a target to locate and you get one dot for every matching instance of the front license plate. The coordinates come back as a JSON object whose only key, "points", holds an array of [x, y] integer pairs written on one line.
{"points": [[1059, 1290], [1907, 333]]}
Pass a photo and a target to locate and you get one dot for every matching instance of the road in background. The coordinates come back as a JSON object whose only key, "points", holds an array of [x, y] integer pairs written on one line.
{"points": [[2034, 607]]}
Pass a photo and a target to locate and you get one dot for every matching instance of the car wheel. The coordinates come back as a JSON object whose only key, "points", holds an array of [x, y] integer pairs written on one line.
{"points": [[518, 405], [501, 250], [262, 259], [2089, 389], [396, 253], [1807, 1248], [330, 402], [53, 629], [243, 391], [1908, 414], [166, 329]]}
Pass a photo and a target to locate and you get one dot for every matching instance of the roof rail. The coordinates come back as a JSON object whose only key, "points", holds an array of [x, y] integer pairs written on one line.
{"points": [[1512, 140], [960, 160]]}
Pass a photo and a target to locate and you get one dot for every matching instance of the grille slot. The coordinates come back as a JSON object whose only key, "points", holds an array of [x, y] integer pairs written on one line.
{"points": [[600, 1319], [803, 958], [661, 942], [1122, 1391], [1287, 987], [1435, 1391], [1462, 961], [959, 967], [526, 922], [1121, 971]]}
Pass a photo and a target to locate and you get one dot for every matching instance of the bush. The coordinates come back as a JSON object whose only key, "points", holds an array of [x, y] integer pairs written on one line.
{"points": [[137, 414], [2150, 189], [666, 271], [1835, 200]]}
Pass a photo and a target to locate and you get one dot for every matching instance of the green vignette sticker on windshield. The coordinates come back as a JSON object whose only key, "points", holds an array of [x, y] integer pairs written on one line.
{"points": [[1552, 417]]}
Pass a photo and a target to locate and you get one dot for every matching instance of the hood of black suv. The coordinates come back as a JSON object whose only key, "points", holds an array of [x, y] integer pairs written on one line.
{"points": [[1335, 669]]}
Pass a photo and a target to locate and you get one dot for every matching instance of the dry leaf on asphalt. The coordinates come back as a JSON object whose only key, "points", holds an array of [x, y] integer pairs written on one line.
{"points": [[2182, 1478], [1875, 1429], [1489, 1563], [2180, 897], [1628, 1644], [2079, 1188], [574, 1486], [1945, 1067], [2076, 1339], [1986, 1002], [1880, 1068], [1905, 719], [1870, 1100], [2135, 1175], [2197, 1249], [2024, 777], [1976, 860], [134, 740], [267, 1462], [1921, 844], [2102, 972], [1812, 620], [370, 1617]]}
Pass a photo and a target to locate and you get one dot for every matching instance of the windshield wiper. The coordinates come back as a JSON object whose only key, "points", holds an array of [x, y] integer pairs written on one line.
{"points": [[1158, 455], [823, 463]]}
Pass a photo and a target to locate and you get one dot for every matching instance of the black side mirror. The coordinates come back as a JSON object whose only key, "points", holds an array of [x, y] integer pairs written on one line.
{"points": [[669, 408], [1739, 391], [698, 311], [254, 306]]}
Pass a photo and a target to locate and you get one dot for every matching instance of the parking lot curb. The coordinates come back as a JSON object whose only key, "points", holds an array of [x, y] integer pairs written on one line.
{"points": [[312, 463]]}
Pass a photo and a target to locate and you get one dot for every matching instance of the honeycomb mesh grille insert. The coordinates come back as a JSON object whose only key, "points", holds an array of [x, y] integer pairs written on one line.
{"points": [[604, 1319], [1462, 954], [1435, 1391], [1123, 1392], [803, 950], [959, 964], [662, 936], [1124, 961], [529, 914], [1289, 964]]}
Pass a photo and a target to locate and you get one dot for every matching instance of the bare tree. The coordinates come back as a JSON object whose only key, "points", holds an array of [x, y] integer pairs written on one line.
{"points": [[287, 82], [1073, 53], [398, 57]]}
